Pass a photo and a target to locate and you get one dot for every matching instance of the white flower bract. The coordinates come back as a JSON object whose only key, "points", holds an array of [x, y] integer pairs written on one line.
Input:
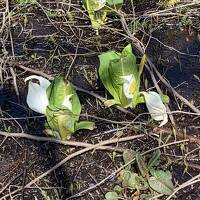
{"points": [[156, 107], [129, 80], [67, 102], [100, 4], [101, 1], [37, 99]]}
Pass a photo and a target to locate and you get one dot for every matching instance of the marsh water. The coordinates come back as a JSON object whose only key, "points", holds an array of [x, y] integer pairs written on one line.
{"points": [[178, 57]]}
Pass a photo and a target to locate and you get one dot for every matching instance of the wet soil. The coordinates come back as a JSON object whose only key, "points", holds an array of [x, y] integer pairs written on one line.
{"points": [[50, 47], [178, 60]]}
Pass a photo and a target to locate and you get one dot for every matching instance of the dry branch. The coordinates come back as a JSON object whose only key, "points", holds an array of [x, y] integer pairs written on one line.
{"points": [[53, 140], [119, 169], [73, 155]]}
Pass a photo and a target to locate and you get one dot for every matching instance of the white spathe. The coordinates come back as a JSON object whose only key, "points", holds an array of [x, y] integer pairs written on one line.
{"points": [[101, 1], [37, 99], [156, 107], [129, 80], [67, 102], [99, 4]]}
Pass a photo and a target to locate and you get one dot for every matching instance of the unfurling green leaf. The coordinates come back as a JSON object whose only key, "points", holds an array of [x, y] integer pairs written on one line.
{"points": [[111, 196], [63, 111], [105, 76], [61, 122], [98, 10], [132, 180], [128, 179], [154, 159], [128, 155], [142, 165], [161, 182], [84, 125], [118, 189], [62, 95], [121, 77], [115, 4]]}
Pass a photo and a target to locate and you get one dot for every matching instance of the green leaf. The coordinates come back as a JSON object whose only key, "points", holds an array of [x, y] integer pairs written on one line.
{"points": [[161, 182], [66, 125], [111, 102], [128, 155], [128, 179], [84, 125], [57, 92], [163, 175], [154, 159], [120, 76], [96, 12], [145, 196], [51, 122], [64, 110], [136, 97], [61, 121], [132, 180], [142, 165], [111, 196], [76, 105], [119, 68], [93, 5], [105, 59], [115, 4], [127, 51], [118, 189]]}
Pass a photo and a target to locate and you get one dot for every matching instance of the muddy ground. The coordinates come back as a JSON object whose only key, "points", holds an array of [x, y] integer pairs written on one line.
{"points": [[64, 40]]}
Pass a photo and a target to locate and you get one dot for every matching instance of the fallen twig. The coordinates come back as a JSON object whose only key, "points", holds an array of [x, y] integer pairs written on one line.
{"points": [[119, 169], [193, 180], [139, 46], [54, 140], [69, 69], [150, 66], [184, 100], [182, 163], [89, 148]]}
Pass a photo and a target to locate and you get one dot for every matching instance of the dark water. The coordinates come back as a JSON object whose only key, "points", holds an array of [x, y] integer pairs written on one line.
{"points": [[180, 64]]}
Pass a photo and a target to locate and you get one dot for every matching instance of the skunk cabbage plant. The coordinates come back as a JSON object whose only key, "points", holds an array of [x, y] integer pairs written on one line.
{"points": [[120, 75], [98, 10], [60, 104]]}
